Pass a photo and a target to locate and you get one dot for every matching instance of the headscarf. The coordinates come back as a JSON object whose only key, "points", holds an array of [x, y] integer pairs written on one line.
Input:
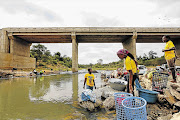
{"points": [[122, 52], [127, 53]]}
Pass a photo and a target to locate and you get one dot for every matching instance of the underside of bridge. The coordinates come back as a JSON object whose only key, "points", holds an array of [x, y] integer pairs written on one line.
{"points": [[15, 42]]}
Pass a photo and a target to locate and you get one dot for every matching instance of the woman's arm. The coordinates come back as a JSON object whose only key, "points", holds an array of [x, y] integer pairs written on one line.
{"points": [[130, 81], [173, 48]]}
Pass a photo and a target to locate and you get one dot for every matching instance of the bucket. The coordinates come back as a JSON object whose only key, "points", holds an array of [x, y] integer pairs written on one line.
{"points": [[148, 95]]}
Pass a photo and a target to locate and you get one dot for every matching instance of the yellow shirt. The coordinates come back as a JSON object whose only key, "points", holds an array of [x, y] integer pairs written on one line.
{"points": [[89, 79], [130, 65], [169, 54]]}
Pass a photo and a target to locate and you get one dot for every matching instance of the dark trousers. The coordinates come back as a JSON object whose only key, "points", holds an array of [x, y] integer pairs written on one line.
{"points": [[135, 76], [89, 87]]}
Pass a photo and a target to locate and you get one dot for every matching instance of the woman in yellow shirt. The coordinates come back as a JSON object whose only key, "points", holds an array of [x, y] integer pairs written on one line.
{"points": [[89, 80], [170, 55], [131, 67]]}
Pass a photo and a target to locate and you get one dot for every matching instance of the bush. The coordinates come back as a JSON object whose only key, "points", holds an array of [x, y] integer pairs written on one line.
{"points": [[41, 64]]}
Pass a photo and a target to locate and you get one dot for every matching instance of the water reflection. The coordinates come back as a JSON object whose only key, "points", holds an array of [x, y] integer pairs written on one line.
{"points": [[53, 88], [45, 97]]}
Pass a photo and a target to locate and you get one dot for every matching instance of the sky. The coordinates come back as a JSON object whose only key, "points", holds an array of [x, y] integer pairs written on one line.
{"points": [[92, 13]]}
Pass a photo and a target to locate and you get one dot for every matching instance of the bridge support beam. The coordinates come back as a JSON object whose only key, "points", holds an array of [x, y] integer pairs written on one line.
{"points": [[130, 44], [74, 53], [177, 45]]}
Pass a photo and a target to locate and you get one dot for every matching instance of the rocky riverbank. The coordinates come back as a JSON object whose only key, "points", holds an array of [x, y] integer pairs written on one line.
{"points": [[7, 74], [167, 107]]}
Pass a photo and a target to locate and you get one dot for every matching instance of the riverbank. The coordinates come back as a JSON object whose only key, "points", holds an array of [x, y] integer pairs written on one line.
{"points": [[6, 74], [167, 107]]}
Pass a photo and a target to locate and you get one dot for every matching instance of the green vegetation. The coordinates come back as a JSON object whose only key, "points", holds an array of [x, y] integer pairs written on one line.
{"points": [[148, 60], [45, 60]]}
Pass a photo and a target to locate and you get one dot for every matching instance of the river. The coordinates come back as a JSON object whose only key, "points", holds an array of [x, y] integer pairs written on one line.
{"points": [[52, 97]]}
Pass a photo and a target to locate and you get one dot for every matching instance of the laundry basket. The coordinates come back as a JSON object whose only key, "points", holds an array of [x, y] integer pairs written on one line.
{"points": [[119, 97], [135, 108], [159, 81]]}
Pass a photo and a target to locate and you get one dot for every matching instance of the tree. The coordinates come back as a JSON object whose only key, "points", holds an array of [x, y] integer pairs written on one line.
{"points": [[152, 54], [91, 65], [38, 51], [145, 57], [100, 61], [139, 58]]}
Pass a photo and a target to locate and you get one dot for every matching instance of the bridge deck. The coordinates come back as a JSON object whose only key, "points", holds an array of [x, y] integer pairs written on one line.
{"points": [[93, 34]]}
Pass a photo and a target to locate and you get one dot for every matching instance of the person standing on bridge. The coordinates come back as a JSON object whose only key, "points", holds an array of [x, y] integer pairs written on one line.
{"points": [[131, 67], [170, 55], [89, 80]]}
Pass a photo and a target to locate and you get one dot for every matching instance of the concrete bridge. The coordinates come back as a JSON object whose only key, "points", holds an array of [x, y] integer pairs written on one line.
{"points": [[15, 42]]}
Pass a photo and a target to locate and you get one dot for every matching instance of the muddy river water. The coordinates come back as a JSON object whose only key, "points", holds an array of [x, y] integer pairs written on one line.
{"points": [[45, 97]]}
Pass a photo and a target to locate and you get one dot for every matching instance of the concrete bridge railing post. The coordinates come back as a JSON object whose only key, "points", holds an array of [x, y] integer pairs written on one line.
{"points": [[74, 53]]}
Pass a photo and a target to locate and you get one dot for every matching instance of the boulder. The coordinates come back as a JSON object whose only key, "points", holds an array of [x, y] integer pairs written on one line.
{"points": [[109, 103], [175, 86], [108, 91], [87, 105], [168, 117], [169, 97], [90, 105], [161, 98], [178, 90], [98, 103], [177, 104], [176, 116], [174, 93]]}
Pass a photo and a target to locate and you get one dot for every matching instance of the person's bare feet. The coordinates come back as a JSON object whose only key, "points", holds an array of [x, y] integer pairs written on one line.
{"points": [[173, 81]]}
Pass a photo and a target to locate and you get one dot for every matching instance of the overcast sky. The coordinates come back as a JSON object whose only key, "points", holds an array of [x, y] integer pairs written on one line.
{"points": [[92, 13]]}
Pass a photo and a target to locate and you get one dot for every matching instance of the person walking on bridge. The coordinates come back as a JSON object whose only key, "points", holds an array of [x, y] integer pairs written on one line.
{"points": [[170, 55], [131, 67]]}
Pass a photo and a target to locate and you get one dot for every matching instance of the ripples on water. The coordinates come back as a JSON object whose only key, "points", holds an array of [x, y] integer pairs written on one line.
{"points": [[45, 97]]}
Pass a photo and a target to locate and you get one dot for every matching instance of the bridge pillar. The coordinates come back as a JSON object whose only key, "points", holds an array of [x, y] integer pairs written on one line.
{"points": [[74, 53], [14, 52], [130, 44], [177, 45], [4, 42]]}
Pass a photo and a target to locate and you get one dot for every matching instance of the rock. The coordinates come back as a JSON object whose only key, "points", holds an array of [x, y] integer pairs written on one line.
{"points": [[87, 105], [174, 93], [178, 90], [108, 91], [169, 97], [90, 105], [177, 104], [105, 80], [98, 93], [176, 116], [75, 116], [146, 83], [98, 103], [174, 86], [109, 103], [149, 118], [161, 98], [168, 117]]}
